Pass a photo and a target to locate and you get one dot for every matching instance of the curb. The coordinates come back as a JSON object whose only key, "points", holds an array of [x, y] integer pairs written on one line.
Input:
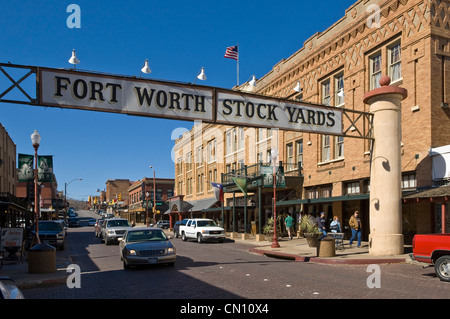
{"points": [[329, 260]]}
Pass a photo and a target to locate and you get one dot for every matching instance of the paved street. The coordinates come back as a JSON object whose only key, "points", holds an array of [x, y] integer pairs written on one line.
{"points": [[230, 271]]}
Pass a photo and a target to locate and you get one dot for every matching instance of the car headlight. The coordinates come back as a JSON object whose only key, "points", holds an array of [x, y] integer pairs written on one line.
{"points": [[132, 252], [205, 231], [171, 250], [111, 232]]}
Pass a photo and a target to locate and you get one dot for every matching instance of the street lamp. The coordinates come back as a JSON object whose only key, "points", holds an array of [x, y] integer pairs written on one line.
{"points": [[65, 196], [275, 243], [36, 140], [154, 195], [147, 195]]}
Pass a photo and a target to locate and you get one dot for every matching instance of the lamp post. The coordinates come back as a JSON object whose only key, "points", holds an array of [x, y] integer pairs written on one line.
{"points": [[147, 195], [275, 243], [154, 195], [65, 196], [36, 140]]}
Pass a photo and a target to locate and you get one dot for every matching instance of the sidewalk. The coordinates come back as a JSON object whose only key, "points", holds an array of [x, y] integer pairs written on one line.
{"points": [[295, 250], [18, 271], [298, 249]]}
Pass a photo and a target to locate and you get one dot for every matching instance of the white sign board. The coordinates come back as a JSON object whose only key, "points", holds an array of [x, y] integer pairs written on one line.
{"points": [[143, 97], [243, 109], [11, 237], [124, 95]]}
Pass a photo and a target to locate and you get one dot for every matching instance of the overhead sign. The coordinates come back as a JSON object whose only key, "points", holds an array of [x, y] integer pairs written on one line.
{"points": [[143, 97], [249, 110], [124, 95]]}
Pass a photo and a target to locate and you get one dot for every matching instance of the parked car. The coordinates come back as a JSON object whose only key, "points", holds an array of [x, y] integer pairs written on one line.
{"points": [[63, 225], [176, 227], [434, 249], [143, 246], [9, 290], [163, 224], [73, 222], [113, 229], [52, 233]]}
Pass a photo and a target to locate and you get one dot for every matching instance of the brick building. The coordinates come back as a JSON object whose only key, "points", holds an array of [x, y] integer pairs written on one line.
{"points": [[138, 199], [408, 40]]}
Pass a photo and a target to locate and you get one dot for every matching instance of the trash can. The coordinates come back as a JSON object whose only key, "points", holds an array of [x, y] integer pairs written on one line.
{"points": [[42, 259], [326, 247]]}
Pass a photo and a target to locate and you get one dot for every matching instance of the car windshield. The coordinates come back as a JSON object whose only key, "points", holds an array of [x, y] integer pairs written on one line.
{"points": [[49, 226], [118, 223], [146, 235], [206, 223]]}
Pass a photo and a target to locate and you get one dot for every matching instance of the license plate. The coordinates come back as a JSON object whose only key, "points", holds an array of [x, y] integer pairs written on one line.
{"points": [[152, 260]]}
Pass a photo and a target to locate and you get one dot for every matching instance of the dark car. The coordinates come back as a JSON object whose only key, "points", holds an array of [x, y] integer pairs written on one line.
{"points": [[176, 227], [144, 246], [73, 222], [52, 233]]}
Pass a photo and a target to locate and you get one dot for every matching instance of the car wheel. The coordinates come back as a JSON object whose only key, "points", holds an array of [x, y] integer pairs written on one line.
{"points": [[199, 238], [183, 237], [442, 268]]}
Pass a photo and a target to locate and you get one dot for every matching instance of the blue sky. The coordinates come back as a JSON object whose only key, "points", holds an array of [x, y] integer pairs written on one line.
{"points": [[177, 37]]}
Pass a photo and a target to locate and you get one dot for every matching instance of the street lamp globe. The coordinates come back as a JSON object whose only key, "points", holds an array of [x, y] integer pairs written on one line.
{"points": [[35, 139]]}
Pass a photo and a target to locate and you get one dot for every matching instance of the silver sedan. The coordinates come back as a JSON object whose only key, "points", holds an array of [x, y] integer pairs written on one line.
{"points": [[144, 246]]}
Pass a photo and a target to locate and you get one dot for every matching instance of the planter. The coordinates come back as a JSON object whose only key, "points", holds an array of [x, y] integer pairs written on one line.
{"points": [[312, 239]]}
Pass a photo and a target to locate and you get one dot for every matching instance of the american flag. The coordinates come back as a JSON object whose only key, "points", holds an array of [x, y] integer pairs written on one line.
{"points": [[232, 53]]}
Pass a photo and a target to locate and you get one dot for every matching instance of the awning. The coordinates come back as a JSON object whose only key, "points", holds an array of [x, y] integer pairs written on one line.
{"points": [[435, 193], [194, 206], [323, 200]]}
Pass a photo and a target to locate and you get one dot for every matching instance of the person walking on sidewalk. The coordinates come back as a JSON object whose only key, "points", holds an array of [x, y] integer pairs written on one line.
{"points": [[321, 224], [289, 222], [355, 225]]}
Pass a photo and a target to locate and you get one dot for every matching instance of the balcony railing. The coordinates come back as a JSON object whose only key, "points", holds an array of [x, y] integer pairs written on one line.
{"points": [[254, 171]]}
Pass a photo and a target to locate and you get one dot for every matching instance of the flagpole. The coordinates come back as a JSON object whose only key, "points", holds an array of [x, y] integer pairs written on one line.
{"points": [[237, 64]]}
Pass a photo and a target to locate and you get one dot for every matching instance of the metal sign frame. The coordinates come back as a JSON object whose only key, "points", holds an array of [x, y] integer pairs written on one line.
{"points": [[352, 119]]}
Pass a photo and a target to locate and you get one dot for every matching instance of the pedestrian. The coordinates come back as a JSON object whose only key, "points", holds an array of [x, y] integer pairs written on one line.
{"points": [[355, 225], [289, 222], [321, 223], [335, 225]]}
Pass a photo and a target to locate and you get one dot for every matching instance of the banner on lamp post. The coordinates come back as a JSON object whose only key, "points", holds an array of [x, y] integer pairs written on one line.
{"points": [[25, 168]]}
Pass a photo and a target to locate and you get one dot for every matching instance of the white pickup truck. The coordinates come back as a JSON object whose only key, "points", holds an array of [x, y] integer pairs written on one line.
{"points": [[201, 229]]}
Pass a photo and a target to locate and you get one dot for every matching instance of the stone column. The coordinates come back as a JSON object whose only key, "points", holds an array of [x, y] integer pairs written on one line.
{"points": [[386, 236]]}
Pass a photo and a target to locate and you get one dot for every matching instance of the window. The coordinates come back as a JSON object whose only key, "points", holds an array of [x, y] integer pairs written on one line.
{"points": [[339, 89], [395, 66], [325, 148], [352, 188], [169, 192], [159, 193], [180, 166], [409, 180], [290, 157], [241, 140], [189, 161], [299, 147], [339, 147], [375, 71], [313, 193], [326, 98], [211, 148], [199, 154]]}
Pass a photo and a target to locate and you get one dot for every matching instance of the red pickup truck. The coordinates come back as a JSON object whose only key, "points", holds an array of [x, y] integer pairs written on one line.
{"points": [[434, 249]]}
